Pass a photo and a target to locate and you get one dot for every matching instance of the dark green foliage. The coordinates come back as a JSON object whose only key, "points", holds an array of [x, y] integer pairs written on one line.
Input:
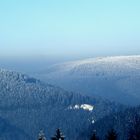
{"points": [[58, 136], [112, 135]]}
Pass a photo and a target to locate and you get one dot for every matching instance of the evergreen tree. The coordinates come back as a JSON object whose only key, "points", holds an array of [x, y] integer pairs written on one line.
{"points": [[134, 132], [131, 135], [58, 136], [94, 137], [112, 135], [41, 135]]}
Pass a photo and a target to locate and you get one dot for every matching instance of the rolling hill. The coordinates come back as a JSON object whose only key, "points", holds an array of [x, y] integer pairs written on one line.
{"points": [[114, 78]]}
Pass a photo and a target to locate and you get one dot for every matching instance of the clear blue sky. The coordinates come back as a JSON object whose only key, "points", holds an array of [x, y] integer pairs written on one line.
{"points": [[69, 27]]}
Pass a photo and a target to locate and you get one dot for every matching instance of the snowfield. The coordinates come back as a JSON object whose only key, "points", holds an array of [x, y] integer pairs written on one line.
{"points": [[115, 78]]}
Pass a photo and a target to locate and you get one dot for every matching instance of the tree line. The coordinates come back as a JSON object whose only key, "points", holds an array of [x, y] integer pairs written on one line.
{"points": [[57, 136], [133, 133]]}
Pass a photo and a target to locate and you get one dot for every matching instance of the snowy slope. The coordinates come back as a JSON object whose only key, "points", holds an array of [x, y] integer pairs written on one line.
{"points": [[115, 78], [31, 105]]}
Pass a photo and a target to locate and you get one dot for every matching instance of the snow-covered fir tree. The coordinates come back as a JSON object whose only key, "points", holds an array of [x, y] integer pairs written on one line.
{"points": [[41, 135], [58, 136], [94, 137]]}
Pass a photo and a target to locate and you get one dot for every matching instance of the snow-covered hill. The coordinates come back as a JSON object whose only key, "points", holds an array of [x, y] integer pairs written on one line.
{"points": [[115, 78], [31, 105]]}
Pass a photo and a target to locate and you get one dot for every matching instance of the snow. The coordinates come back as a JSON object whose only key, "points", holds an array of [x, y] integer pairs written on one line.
{"points": [[87, 107], [23, 101], [82, 106], [107, 77], [93, 122], [95, 66]]}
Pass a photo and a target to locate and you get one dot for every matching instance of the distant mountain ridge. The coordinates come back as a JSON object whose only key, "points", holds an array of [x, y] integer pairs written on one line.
{"points": [[31, 105], [115, 78]]}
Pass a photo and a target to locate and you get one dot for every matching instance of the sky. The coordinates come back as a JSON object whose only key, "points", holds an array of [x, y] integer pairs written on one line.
{"points": [[69, 28]]}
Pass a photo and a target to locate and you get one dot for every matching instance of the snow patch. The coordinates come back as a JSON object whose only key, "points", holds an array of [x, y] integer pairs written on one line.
{"points": [[82, 106], [92, 121]]}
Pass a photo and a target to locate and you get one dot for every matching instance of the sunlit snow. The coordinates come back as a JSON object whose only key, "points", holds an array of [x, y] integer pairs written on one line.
{"points": [[82, 106]]}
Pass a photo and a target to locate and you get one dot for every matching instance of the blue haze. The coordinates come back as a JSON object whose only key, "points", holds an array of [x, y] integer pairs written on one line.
{"points": [[64, 30]]}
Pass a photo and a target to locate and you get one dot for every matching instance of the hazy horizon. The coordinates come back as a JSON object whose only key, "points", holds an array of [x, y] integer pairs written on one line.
{"points": [[36, 34]]}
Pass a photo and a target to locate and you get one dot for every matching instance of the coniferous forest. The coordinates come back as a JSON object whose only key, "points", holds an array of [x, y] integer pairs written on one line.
{"points": [[112, 127], [37, 105]]}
